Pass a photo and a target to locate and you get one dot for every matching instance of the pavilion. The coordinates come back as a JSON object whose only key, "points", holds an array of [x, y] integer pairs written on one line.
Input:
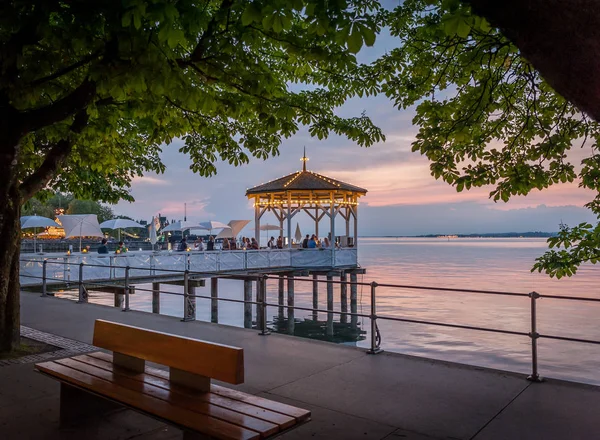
{"points": [[315, 194]]}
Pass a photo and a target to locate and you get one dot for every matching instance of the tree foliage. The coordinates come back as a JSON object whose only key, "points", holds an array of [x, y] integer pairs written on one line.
{"points": [[100, 86], [487, 118]]}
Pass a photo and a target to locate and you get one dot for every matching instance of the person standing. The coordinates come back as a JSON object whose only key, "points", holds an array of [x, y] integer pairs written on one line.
{"points": [[226, 246], [305, 242], [312, 243], [211, 244], [271, 243], [280, 242], [182, 245], [254, 244]]}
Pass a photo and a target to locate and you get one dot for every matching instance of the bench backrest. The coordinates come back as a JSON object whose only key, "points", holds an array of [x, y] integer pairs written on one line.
{"points": [[216, 361]]}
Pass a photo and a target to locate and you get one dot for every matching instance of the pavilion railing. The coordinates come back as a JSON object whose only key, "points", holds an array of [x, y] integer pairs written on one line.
{"points": [[261, 303]]}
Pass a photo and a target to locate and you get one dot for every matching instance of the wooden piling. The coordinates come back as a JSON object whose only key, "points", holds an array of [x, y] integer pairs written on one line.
{"points": [[353, 300], [344, 298], [214, 302], [315, 302], [329, 305], [247, 307], [290, 303], [155, 297]]}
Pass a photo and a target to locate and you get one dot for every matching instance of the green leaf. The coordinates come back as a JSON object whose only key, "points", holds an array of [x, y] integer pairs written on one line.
{"points": [[369, 36], [355, 41]]}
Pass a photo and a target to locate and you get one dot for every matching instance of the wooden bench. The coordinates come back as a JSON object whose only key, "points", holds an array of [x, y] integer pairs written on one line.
{"points": [[95, 383]]}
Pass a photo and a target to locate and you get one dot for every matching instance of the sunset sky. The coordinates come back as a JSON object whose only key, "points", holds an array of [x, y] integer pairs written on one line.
{"points": [[403, 198]]}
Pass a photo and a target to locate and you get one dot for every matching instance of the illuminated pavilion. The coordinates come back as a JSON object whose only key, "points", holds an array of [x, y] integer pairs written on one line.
{"points": [[316, 195]]}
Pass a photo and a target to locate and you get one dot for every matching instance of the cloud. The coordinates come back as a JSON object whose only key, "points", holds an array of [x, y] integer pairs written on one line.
{"points": [[148, 180]]}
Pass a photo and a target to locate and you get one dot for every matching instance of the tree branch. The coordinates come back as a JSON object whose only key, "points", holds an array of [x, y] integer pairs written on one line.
{"points": [[77, 100], [53, 160], [82, 62]]}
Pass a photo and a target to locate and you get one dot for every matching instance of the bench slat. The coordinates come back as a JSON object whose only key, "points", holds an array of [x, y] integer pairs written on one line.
{"points": [[282, 420], [176, 399], [149, 404], [216, 361], [299, 414]]}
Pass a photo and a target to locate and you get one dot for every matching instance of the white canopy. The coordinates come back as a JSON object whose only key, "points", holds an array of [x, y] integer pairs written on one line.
{"points": [[82, 225], [120, 223], [234, 228]]}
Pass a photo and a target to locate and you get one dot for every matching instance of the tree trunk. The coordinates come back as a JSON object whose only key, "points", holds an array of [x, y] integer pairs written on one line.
{"points": [[10, 209]]}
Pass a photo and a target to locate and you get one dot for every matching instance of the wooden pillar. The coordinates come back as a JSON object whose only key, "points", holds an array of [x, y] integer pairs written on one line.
{"points": [[353, 300], [257, 219], [280, 296], [247, 307], [317, 221], [214, 302], [119, 298], [344, 298], [290, 303], [155, 297], [260, 295], [192, 302], [289, 221], [315, 303], [329, 305], [355, 223]]}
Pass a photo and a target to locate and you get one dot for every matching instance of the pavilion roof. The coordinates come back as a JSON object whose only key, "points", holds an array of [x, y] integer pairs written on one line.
{"points": [[304, 181]]}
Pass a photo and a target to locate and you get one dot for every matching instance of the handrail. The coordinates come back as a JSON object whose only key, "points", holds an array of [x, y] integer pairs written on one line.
{"points": [[262, 303]]}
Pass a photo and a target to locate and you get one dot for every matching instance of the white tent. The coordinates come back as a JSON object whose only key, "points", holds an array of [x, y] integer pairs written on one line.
{"points": [[210, 225], [82, 225]]}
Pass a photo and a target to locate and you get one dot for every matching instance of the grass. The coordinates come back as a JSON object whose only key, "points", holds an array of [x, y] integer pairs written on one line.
{"points": [[28, 347]]}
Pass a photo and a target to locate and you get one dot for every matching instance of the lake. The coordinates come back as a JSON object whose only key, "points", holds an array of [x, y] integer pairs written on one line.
{"points": [[487, 264]]}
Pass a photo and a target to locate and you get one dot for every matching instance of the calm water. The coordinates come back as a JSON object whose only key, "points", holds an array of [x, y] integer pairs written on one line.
{"points": [[487, 264]]}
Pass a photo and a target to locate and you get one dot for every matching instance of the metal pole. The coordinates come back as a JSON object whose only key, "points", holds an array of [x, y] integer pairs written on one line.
{"points": [[83, 298], [263, 305], [534, 335], [44, 291], [375, 340], [126, 309]]}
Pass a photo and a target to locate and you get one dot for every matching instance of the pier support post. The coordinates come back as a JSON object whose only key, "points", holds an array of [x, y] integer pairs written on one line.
{"points": [[315, 302], [280, 297], [329, 305], [353, 300], [189, 302], [214, 301], [290, 303], [119, 298], [156, 297], [247, 306], [259, 300], [344, 298]]}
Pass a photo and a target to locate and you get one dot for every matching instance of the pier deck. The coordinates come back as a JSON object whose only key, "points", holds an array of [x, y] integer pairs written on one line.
{"points": [[351, 394]]}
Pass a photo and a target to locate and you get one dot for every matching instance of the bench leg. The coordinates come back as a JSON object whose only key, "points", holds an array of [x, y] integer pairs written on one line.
{"points": [[77, 405]]}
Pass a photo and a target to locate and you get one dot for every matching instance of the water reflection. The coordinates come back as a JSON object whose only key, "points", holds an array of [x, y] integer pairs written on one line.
{"points": [[323, 330]]}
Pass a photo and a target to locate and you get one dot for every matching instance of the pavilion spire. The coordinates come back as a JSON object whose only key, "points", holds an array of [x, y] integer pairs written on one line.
{"points": [[304, 160]]}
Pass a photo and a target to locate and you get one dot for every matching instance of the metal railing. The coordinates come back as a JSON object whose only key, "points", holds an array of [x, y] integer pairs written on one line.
{"points": [[262, 304]]}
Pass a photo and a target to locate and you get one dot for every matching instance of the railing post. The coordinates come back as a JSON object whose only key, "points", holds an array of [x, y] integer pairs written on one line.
{"points": [[534, 335], [263, 306], [375, 336], [83, 297], [126, 309], [44, 291]]}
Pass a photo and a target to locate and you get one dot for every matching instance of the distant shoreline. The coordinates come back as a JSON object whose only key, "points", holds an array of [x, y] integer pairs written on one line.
{"points": [[536, 234]]}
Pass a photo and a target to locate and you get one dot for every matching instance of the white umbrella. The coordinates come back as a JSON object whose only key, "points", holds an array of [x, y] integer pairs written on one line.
{"points": [[182, 225], [120, 223], [298, 234], [82, 225], [237, 226], [36, 221], [225, 233], [212, 225], [153, 232], [269, 227]]}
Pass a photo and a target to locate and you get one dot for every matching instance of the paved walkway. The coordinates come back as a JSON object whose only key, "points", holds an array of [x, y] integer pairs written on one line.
{"points": [[352, 395]]}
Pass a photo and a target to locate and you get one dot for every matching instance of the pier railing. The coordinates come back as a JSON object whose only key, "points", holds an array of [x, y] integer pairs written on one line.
{"points": [[149, 263], [189, 280]]}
